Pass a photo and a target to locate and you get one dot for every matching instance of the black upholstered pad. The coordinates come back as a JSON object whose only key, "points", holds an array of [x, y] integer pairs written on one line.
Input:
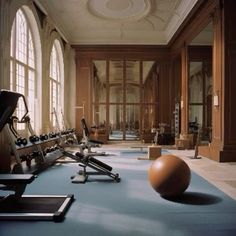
{"points": [[16, 178]]}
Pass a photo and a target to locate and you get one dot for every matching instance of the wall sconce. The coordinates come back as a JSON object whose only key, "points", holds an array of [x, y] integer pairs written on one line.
{"points": [[181, 104], [216, 100]]}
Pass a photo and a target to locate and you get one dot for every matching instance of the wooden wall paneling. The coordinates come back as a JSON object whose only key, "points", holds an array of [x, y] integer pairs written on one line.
{"points": [[217, 131], [165, 94], [229, 82], [83, 72]]}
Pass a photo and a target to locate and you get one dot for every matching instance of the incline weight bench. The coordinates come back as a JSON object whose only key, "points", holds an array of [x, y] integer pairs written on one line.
{"points": [[16, 206], [86, 139], [99, 167], [87, 143]]}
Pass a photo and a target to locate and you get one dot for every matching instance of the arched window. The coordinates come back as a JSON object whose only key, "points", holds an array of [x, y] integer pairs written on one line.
{"points": [[22, 64], [56, 83]]}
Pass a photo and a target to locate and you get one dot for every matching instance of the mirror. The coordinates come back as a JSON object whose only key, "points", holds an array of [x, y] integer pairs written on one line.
{"points": [[200, 84]]}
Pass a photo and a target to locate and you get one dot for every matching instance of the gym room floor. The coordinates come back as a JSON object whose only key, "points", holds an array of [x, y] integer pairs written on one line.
{"points": [[221, 175]]}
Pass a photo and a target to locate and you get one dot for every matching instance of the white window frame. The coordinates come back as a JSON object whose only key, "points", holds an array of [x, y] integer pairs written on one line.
{"points": [[23, 76], [56, 85]]}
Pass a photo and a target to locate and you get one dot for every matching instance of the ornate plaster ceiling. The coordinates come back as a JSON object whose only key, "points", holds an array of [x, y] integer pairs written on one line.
{"points": [[117, 21]]}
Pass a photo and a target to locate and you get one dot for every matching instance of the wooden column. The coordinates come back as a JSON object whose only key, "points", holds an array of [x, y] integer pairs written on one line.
{"points": [[223, 146], [83, 92], [229, 82], [184, 90], [217, 119]]}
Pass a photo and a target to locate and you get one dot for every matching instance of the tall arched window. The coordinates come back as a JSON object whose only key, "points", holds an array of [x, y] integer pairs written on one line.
{"points": [[56, 83], [22, 64]]}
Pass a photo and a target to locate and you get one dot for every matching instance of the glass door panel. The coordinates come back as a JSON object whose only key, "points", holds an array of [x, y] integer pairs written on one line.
{"points": [[116, 72], [149, 117], [195, 83], [99, 81], [116, 94], [99, 116], [132, 122], [116, 122], [195, 117]]}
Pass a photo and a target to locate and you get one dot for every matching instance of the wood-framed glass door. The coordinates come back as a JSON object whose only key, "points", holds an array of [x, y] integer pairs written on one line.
{"points": [[119, 90]]}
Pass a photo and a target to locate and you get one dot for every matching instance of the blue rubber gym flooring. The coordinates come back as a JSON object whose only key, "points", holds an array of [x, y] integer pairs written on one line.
{"points": [[131, 207]]}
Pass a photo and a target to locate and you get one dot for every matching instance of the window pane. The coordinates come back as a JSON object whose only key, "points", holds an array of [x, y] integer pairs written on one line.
{"points": [[55, 86], [31, 52], [11, 75], [20, 79], [31, 94], [22, 73], [21, 37]]}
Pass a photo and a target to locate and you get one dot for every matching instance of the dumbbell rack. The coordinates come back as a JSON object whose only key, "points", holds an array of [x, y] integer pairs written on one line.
{"points": [[30, 155]]}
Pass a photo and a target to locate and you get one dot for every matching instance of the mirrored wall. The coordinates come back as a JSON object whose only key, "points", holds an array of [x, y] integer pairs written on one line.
{"points": [[200, 84], [124, 97]]}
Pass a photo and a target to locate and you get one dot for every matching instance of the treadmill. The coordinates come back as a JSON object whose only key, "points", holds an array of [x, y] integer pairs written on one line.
{"points": [[14, 205]]}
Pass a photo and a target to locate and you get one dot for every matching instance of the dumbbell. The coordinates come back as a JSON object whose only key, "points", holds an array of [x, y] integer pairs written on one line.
{"points": [[33, 138], [52, 149], [46, 150], [34, 154], [21, 141], [63, 132], [69, 141], [43, 137], [52, 135]]}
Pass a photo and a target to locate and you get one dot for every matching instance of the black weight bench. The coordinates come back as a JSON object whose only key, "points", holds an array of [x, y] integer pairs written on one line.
{"points": [[86, 133], [98, 167], [16, 206]]}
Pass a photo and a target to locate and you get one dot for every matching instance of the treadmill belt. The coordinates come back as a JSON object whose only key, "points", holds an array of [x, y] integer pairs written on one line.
{"points": [[41, 207]]}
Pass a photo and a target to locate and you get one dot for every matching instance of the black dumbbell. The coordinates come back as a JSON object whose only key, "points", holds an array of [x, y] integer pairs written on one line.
{"points": [[43, 137], [52, 135], [46, 150], [33, 138], [21, 141], [52, 149]]}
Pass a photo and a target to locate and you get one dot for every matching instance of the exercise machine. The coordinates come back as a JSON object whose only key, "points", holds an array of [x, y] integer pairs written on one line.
{"points": [[32, 152], [87, 143], [85, 160], [96, 166], [14, 205]]}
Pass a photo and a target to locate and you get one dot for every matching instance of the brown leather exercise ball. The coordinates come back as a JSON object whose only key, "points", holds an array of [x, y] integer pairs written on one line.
{"points": [[169, 175]]}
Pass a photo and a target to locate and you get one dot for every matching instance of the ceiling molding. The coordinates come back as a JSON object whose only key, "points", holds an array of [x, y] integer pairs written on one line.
{"points": [[125, 10], [125, 22], [178, 18]]}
